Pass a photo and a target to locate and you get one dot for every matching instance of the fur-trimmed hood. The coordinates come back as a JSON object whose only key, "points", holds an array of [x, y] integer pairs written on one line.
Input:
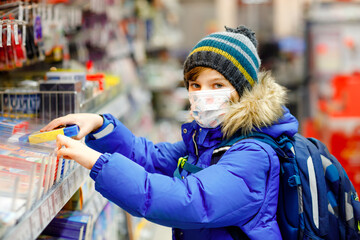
{"points": [[259, 107]]}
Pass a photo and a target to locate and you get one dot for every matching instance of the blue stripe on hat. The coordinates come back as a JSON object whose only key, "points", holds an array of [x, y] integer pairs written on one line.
{"points": [[237, 48], [239, 43], [231, 51]]}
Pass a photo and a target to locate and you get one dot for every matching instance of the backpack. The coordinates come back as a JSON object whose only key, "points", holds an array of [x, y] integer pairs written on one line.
{"points": [[316, 198]]}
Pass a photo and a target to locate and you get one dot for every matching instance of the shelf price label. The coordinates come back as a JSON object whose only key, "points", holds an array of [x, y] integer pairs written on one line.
{"points": [[22, 233], [51, 202], [58, 199], [45, 213], [65, 190], [36, 223], [72, 184], [77, 177]]}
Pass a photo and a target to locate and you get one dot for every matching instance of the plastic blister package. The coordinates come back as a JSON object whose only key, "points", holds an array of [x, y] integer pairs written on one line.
{"points": [[41, 137], [27, 173]]}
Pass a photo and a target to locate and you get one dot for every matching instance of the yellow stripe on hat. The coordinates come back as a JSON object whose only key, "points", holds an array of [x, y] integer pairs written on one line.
{"points": [[229, 57]]}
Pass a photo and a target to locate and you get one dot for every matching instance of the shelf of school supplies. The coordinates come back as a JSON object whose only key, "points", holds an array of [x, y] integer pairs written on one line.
{"points": [[34, 221], [31, 221], [47, 105]]}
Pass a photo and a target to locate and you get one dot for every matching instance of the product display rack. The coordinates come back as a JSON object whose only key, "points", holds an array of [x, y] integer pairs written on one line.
{"points": [[35, 220], [128, 101]]}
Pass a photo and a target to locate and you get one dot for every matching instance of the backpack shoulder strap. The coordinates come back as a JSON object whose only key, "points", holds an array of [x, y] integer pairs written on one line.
{"points": [[276, 144], [314, 188], [304, 170]]}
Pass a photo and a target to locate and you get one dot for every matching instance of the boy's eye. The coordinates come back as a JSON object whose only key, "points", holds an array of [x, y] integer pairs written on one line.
{"points": [[194, 85], [218, 85]]}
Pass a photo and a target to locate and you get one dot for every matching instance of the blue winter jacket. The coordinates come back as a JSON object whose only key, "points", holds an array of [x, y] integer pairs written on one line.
{"points": [[240, 190]]}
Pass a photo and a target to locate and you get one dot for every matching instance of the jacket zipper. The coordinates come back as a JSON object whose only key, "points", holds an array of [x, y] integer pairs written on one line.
{"points": [[196, 147]]}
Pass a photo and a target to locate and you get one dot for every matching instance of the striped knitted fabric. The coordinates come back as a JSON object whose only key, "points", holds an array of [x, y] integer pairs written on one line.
{"points": [[232, 53]]}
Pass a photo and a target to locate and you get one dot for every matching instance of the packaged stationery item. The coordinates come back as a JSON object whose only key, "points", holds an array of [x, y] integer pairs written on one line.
{"points": [[10, 126], [19, 102], [66, 76], [60, 97], [40, 137], [14, 157], [19, 187], [70, 225]]}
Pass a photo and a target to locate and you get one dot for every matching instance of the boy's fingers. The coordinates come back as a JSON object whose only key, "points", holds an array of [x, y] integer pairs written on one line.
{"points": [[57, 122], [80, 134], [64, 152], [83, 132], [53, 124], [62, 140]]}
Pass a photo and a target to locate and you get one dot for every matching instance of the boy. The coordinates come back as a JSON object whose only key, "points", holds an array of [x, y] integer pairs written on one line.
{"points": [[233, 199]]}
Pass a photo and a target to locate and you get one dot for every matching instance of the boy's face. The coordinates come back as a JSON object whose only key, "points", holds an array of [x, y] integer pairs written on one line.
{"points": [[210, 79]]}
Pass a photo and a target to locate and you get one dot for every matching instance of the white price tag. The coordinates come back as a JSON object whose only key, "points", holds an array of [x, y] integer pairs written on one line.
{"points": [[35, 222], [51, 205], [21, 12], [45, 212], [23, 232], [72, 185], [16, 34], [58, 199], [65, 190], [1, 33], [8, 31], [77, 177]]}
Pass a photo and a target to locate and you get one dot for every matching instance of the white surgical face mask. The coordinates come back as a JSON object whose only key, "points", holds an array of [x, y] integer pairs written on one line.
{"points": [[208, 107]]}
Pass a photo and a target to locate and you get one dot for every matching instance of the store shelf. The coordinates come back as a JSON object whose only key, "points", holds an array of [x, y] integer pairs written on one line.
{"points": [[95, 205], [118, 106], [34, 221]]}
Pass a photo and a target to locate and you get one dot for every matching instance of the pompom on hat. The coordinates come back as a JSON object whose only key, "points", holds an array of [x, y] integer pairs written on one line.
{"points": [[232, 53]]}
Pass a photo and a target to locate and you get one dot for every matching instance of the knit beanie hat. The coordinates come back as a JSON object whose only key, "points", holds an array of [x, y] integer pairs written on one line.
{"points": [[232, 53]]}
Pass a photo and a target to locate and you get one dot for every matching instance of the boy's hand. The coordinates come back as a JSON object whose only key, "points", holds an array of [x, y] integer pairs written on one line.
{"points": [[87, 123], [71, 149]]}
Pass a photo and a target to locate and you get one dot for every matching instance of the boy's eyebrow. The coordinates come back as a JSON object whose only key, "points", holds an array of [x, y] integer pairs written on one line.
{"points": [[211, 79], [218, 79]]}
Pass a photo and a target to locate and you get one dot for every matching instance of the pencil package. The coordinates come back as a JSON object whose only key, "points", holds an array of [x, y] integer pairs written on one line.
{"points": [[40, 137]]}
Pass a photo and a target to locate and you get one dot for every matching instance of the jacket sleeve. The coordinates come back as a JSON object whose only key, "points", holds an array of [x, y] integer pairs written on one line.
{"points": [[230, 192], [114, 137]]}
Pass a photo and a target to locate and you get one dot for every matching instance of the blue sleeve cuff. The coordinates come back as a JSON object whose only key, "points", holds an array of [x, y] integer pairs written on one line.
{"points": [[104, 130], [106, 122], [103, 159]]}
